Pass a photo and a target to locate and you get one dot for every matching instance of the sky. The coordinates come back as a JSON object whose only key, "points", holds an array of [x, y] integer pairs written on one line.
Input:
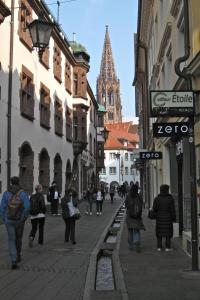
{"points": [[88, 19]]}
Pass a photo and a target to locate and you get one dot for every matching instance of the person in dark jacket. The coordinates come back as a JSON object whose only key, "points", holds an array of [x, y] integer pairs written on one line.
{"points": [[134, 204], [164, 209], [15, 227], [37, 212], [54, 196], [68, 202]]}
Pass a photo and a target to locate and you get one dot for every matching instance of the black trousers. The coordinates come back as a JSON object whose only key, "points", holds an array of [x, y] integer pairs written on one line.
{"points": [[35, 222], [167, 242], [111, 197], [54, 206], [99, 206], [70, 229]]}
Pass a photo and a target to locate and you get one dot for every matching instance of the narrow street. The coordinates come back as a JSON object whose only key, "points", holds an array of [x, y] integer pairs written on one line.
{"points": [[57, 270]]}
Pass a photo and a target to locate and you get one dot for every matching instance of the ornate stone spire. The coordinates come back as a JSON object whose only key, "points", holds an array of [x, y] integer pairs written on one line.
{"points": [[108, 86]]}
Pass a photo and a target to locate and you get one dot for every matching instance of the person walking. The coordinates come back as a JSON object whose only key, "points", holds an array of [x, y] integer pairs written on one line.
{"points": [[68, 205], [164, 209], [14, 211], [99, 201], [54, 196], [37, 212], [133, 204], [89, 199], [112, 193]]}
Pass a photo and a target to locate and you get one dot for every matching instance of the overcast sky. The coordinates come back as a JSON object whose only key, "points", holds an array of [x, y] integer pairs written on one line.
{"points": [[88, 18]]}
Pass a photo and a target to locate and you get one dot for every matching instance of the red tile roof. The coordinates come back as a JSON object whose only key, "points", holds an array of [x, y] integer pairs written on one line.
{"points": [[120, 132]]}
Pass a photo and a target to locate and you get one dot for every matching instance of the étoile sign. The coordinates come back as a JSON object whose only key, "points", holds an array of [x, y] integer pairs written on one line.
{"points": [[172, 103]]}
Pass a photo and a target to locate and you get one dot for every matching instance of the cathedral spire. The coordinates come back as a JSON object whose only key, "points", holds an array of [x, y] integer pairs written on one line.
{"points": [[108, 86], [107, 70]]}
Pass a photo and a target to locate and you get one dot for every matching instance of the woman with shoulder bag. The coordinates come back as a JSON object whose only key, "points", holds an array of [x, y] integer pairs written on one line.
{"points": [[164, 209], [69, 214]]}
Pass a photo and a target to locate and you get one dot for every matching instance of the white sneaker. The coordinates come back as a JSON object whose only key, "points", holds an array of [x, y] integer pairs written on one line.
{"points": [[159, 249], [97, 213], [90, 213], [86, 212], [168, 249], [100, 213]]}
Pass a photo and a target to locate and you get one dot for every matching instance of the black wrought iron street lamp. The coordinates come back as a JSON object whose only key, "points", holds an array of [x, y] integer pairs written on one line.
{"points": [[105, 133], [40, 32]]}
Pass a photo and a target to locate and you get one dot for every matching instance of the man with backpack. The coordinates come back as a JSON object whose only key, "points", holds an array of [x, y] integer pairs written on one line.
{"points": [[14, 210], [134, 221]]}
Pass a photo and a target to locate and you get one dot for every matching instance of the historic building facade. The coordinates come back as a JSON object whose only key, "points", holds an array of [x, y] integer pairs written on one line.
{"points": [[167, 58], [108, 85], [48, 112], [119, 149]]}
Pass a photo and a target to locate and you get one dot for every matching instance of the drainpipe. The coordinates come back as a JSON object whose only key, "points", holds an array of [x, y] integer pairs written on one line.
{"points": [[10, 81], [182, 74]]}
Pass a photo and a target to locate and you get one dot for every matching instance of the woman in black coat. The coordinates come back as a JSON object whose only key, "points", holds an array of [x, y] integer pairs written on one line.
{"points": [[164, 208], [68, 202]]}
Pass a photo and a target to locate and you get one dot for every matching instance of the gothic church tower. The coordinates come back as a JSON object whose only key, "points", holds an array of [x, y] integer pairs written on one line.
{"points": [[108, 85]]}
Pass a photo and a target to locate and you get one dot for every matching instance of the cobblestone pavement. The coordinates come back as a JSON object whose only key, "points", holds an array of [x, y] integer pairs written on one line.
{"points": [[56, 270], [157, 275]]}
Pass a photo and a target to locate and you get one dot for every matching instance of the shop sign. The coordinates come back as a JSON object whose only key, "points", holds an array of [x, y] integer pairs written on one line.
{"points": [[171, 103], [177, 129], [151, 155]]}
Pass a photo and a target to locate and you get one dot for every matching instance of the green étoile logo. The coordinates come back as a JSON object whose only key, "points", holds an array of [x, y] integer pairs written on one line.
{"points": [[160, 99]]}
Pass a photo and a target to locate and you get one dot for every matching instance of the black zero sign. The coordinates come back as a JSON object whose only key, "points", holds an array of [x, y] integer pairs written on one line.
{"points": [[151, 155], [171, 129]]}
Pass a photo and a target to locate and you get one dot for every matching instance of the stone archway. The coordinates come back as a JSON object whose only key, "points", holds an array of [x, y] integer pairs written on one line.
{"points": [[58, 171], [68, 174], [44, 171], [26, 165]]}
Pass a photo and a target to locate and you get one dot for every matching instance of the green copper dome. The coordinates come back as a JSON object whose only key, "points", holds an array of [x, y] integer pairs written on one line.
{"points": [[80, 52], [101, 108]]}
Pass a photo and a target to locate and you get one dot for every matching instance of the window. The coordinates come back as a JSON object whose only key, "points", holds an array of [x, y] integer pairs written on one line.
{"points": [[100, 121], [126, 170], [83, 85], [103, 171], [58, 117], [111, 156], [25, 18], [75, 85], [57, 68], [44, 106], [126, 156], [131, 157], [132, 171], [110, 116], [68, 117], [80, 123], [45, 58], [67, 76], [27, 94], [100, 150], [112, 170]]}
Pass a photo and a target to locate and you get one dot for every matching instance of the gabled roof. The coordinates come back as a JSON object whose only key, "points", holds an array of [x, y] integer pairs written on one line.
{"points": [[119, 133]]}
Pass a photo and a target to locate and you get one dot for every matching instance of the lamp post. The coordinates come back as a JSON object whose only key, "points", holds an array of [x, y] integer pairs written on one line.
{"points": [[117, 156], [40, 32]]}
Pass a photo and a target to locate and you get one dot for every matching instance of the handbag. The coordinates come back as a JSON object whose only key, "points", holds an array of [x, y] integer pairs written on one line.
{"points": [[151, 214], [73, 210]]}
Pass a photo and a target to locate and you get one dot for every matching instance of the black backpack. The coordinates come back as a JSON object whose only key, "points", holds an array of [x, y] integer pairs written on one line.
{"points": [[15, 207], [35, 204], [135, 207]]}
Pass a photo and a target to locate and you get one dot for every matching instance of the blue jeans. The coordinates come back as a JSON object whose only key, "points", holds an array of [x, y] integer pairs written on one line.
{"points": [[133, 237], [15, 231]]}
